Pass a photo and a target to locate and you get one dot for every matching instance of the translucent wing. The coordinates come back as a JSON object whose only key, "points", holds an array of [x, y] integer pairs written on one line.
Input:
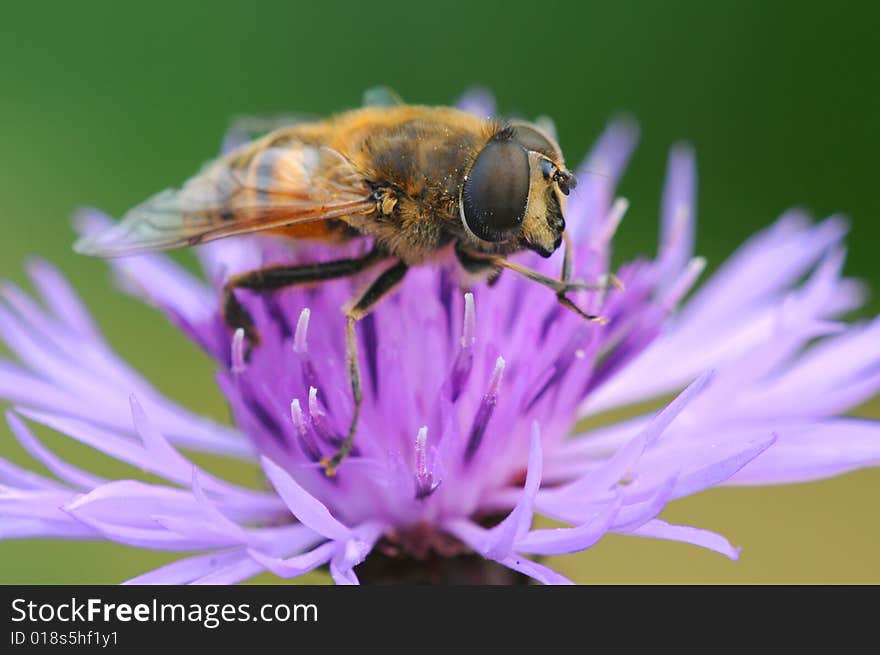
{"points": [[381, 96], [243, 129], [252, 189]]}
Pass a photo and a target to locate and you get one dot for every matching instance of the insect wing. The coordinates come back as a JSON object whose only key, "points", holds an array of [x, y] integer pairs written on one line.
{"points": [[381, 96], [244, 129], [250, 190]]}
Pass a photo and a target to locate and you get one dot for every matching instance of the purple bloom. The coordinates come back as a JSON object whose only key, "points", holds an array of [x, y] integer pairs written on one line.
{"points": [[470, 399]]}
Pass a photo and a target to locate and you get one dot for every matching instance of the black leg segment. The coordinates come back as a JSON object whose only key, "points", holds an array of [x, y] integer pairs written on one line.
{"points": [[279, 277], [361, 306]]}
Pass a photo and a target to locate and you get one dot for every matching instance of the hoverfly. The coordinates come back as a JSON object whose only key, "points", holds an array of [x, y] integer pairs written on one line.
{"points": [[418, 181]]}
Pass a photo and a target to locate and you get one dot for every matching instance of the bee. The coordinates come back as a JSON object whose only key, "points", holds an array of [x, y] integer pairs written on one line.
{"points": [[420, 183]]}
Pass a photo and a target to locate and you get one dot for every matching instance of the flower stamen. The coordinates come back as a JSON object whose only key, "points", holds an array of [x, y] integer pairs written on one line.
{"points": [[612, 222], [321, 424], [300, 345], [684, 283], [469, 329], [464, 358], [484, 411], [238, 354], [425, 484], [304, 436]]}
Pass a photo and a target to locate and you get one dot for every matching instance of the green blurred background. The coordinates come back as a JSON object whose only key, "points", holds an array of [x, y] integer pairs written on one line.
{"points": [[104, 103]]}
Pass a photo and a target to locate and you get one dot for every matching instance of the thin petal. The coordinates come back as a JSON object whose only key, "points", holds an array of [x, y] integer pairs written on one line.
{"points": [[156, 278], [67, 472], [658, 529], [36, 504], [622, 462], [61, 298], [736, 310], [539, 572], [715, 472], [131, 452], [635, 514], [30, 528], [814, 451], [189, 569], [153, 539], [236, 572], [678, 214], [342, 573], [296, 566], [519, 520], [560, 541], [305, 507], [598, 177], [14, 476], [477, 101], [475, 537]]}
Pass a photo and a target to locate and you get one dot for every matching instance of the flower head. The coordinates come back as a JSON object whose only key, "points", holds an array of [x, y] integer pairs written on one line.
{"points": [[472, 398]]}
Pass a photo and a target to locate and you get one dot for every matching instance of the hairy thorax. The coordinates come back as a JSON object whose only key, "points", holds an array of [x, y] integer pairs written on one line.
{"points": [[415, 160]]}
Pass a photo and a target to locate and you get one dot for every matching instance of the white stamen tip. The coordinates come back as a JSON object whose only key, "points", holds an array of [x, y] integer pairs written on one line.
{"points": [[314, 409], [296, 414], [615, 216], [497, 376], [684, 283], [302, 328], [697, 265], [468, 332], [680, 221], [238, 363], [422, 452]]}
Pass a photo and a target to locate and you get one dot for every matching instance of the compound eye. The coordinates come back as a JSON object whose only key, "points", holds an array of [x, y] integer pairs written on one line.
{"points": [[533, 139], [496, 191]]}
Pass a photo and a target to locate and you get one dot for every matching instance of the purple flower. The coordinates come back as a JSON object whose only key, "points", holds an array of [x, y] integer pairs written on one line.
{"points": [[472, 401]]}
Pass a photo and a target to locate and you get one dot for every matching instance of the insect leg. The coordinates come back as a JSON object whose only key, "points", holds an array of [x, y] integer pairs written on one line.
{"points": [[359, 308], [278, 277], [565, 279], [561, 286], [567, 258]]}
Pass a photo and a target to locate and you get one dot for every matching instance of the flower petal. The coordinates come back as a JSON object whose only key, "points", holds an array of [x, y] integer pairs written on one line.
{"points": [[811, 451], [598, 176], [342, 575], [189, 569], [477, 101], [296, 566], [61, 299], [30, 528], [475, 537], [621, 463], [539, 572], [658, 529], [233, 574], [736, 310], [677, 218], [717, 471], [305, 507], [14, 476], [560, 541], [519, 520], [67, 472]]}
